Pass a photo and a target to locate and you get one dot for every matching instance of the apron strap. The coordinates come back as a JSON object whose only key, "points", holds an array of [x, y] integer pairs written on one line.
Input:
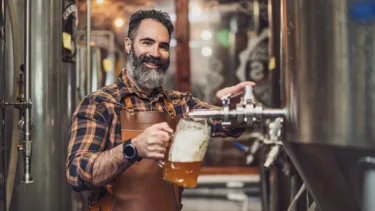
{"points": [[169, 107], [129, 104]]}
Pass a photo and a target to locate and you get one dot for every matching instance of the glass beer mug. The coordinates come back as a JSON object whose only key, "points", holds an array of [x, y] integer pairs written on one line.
{"points": [[186, 153]]}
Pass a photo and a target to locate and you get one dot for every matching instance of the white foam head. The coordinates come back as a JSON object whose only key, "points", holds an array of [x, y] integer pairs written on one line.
{"points": [[190, 141]]}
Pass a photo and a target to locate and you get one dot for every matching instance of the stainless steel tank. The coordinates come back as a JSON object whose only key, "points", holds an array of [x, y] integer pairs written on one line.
{"points": [[328, 67], [53, 96], [6, 114]]}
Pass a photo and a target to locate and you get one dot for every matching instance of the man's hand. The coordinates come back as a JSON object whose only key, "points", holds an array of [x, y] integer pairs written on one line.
{"points": [[152, 142], [233, 89]]}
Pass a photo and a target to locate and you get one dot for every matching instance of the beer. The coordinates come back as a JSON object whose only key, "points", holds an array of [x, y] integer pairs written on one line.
{"points": [[184, 174], [186, 153]]}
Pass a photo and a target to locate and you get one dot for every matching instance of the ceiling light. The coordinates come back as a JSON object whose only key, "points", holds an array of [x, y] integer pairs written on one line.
{"points": [[173, 43], [99, 1], [206, 35], [206, 51], [119, 22], [196, 10]]}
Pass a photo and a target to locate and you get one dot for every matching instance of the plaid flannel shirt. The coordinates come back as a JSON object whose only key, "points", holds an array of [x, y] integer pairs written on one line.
{"points": [[96, 126]]}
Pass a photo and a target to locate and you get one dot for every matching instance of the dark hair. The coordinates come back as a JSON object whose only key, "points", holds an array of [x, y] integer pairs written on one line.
{"points": [[159, 16]]}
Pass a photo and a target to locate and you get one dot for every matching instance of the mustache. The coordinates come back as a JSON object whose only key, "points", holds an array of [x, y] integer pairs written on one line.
{"points": [[139, 60], [152, 60]]}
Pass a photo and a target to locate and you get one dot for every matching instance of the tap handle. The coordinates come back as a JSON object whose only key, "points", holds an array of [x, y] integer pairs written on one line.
{"points": [[248, 95]]}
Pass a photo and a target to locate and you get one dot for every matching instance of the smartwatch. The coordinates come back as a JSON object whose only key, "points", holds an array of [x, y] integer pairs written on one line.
{"points": [[130, 151]]}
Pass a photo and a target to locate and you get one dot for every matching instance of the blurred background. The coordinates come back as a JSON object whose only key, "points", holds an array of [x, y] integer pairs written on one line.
{"points": [[312, 61]]}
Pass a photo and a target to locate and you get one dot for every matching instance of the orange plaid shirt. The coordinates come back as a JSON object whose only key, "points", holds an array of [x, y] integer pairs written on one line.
{"points": [[96, 124]]}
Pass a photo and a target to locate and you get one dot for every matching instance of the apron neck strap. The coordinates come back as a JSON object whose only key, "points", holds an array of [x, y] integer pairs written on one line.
{"points": [[129, 104], [168, 106]]}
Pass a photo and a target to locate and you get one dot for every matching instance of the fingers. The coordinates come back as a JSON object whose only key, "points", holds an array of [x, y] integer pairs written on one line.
{"points": [[152, 142], [157, 149], [154, 151], [239, 87], [246, 83], [233, 89], [159, 137], [157, 156], [164, 127]]}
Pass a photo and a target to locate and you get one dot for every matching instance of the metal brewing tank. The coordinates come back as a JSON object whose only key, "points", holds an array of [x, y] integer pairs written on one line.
{"points": [[328, 67], [53, 97]]}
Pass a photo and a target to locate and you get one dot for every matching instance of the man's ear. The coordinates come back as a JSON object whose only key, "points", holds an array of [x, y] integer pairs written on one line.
{"points": [[128, 45]]}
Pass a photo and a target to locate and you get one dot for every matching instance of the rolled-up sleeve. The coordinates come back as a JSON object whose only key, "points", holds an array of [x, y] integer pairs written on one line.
{"points": [[87, 139], [218, 130]]}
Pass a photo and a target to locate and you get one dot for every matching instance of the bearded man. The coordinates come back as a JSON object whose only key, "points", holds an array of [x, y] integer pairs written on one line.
{"points": [[120, 132]]}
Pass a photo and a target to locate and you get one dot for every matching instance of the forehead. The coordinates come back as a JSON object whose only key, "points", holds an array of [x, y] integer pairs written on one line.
{"points": [[152, 29]]}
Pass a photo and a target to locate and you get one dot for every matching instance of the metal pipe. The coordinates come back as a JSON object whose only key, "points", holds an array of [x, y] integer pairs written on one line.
{"points": [[108, 33], [219, 114], [295, 199], [272, 113], [88, 38], [3, 156], [27, 178], [367, 170]]}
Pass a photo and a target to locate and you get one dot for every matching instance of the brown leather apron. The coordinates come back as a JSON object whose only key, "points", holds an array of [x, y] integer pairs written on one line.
{"points": [[141, 187]]}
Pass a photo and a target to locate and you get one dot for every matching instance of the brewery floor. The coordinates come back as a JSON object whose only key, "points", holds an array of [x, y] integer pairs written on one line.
{"points": [[223, 193], [204, 204]]}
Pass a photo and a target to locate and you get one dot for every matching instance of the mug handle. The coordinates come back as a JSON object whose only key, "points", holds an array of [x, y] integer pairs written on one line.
{"points": [[161, 163]]}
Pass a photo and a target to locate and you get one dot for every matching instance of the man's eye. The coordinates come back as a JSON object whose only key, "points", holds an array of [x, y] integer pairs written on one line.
{"points": [[165, 48], [147, 43]]}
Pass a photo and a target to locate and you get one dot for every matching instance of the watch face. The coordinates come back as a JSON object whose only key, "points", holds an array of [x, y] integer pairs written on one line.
{"points": [[129, 151]]}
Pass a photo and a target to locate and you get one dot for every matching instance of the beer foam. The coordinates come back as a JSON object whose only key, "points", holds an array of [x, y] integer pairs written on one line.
{"points": [[190, 142]]}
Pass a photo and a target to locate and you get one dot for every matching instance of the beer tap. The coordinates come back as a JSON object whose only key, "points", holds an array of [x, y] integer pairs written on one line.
{"points": [[274, 140], [248, 113]]}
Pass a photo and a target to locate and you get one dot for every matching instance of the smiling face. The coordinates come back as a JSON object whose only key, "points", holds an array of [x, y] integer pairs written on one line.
{"points": [[148, 54]]}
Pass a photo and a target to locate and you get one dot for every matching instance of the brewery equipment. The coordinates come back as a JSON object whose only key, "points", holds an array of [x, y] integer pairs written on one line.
{"points": [[327, 100], [50, 84], [248, 112], [251, 114], [328, 85], [25, 125]]}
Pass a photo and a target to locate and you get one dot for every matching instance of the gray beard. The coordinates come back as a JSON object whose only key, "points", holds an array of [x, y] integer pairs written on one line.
{"points": [[147, 78]]}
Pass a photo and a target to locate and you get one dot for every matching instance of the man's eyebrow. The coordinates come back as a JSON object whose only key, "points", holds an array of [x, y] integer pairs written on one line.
{"points": [[152, 40], [165, 43], [147, 39]]}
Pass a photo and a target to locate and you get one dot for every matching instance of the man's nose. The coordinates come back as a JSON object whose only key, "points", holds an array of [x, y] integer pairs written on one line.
{"points": [[155, 52]]}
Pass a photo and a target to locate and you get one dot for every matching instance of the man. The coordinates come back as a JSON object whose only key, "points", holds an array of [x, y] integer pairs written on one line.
{"points": [[98, 158]]}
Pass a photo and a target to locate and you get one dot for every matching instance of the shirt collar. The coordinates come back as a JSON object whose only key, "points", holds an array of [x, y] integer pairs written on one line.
{"points": [[126, 87]]}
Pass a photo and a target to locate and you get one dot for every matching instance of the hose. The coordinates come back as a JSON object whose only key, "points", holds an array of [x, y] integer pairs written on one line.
{"points": [[15, 136]]}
